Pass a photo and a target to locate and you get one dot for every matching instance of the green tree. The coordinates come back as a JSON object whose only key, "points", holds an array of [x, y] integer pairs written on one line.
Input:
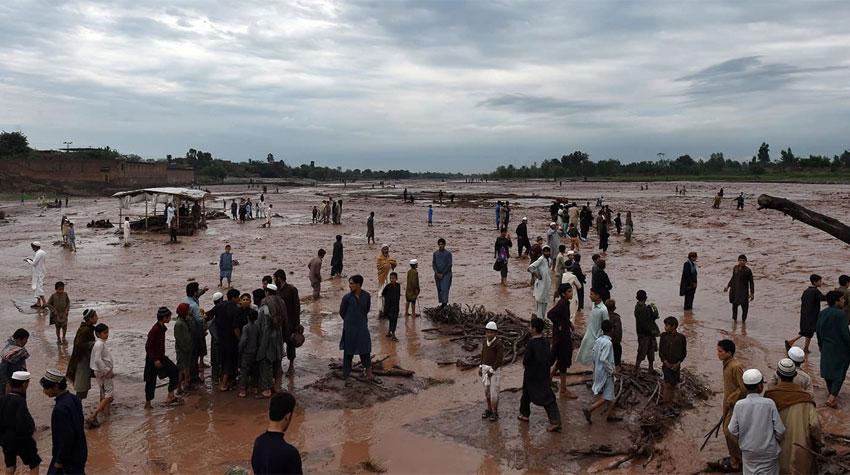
{"points": [[764, 154], [13, 143]]}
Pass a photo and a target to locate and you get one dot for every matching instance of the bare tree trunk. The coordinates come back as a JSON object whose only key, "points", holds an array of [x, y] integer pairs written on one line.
{"points": [[805, 215]]}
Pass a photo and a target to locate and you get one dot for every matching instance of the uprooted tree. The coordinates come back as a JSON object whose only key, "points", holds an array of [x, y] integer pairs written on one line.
{"points": [[812, 218]]}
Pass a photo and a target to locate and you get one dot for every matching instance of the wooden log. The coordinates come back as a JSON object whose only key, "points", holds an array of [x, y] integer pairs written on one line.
{"points": [[820, 221]]}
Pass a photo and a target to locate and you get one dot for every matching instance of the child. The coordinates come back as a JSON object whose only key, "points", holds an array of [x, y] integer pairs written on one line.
{"points": [[603, 372], [101, 366], [672, 350], [59, 304], [616, 331], [249, 341], [125, 226], [183, 345], [492, 356], [315, 214], [392, 296], [560, 262], [225, 267], [572, 232], [411, 292], [72, 237], [430, 215], [157, 365]]}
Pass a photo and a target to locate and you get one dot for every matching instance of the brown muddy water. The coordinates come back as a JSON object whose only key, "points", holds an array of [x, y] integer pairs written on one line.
{"points": [[432, 425]]}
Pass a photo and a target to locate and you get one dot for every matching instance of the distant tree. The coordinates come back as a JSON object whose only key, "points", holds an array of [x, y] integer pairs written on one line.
{"points": [[764, 154], [13, 143], [844, 159], [270, 158], [787, 157], [716, 162]]}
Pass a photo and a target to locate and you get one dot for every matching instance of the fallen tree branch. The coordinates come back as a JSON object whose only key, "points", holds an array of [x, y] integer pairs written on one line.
{"points": [[823, 222]]}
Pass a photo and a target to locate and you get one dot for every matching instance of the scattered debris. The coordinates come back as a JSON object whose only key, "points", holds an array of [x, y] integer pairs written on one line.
{"points": [[100, 223]]}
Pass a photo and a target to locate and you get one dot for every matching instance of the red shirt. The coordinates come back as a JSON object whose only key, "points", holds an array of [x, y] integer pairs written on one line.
{"points": [[155, 345]]}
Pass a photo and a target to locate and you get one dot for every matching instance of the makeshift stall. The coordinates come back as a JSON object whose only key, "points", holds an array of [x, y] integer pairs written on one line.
{"points": [[189, 208]]}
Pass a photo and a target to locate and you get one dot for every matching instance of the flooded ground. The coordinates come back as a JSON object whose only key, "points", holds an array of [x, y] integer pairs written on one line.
{"points": [[214, 431]]}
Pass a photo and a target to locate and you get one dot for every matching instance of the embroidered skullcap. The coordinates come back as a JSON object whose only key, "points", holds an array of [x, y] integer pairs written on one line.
{"points": [[786, 367]]}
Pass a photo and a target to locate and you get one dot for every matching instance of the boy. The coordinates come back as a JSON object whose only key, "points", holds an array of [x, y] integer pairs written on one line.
{"points": [[272, 453], [560, 262], [430, 215], [392, 297], [646, 329], [183, 345], [225, 266], [101, 365], [672, 350], [411, 292], [249, 341], [572, 232], [616, 331], [72, 238], [492, 356], [315, 274], [733, 390], [157, 365], [59, 304], [810, 306], [315, 214], [370, 228], [603, 372], [536, 378]]}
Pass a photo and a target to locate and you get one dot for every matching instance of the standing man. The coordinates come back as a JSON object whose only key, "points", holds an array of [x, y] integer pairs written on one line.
{"points": [[228, 330], [271, 318], [594, 328], [740, 201], [356, 340], [315, 267], [688, 283], [647, 331], [79, 371], [603, 373], [552, 238], [809, 310], [562, 337], [125, 226], [502, 254], [522, 242], [272, 454], [199, 342], [70, 451], [289, 294], [370, 228], [441, 262], [39, 269], [498, 214], [741, 288], [411, 290], [336, 258], [844, 288], [384, 264], [733, 391], [225, 267], [536, 378], [539, 270], [758, 427], [802, 429], [834, 344], [17, 426]]}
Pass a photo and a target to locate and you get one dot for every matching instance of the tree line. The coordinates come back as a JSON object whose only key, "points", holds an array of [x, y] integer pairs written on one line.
{"points": [[578, 165]]}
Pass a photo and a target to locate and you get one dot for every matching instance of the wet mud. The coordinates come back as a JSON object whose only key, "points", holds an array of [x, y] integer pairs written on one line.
{"points": [[433, 428]]}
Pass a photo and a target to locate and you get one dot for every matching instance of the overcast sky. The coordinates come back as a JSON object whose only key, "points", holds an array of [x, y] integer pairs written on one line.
{"points": [[439, 85]]}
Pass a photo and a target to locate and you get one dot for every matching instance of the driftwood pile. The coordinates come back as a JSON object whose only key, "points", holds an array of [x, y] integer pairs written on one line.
{"points": [[466, 327]]}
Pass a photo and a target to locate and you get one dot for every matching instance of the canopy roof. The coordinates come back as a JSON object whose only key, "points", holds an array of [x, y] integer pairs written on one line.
{"points": [[186, 193]]}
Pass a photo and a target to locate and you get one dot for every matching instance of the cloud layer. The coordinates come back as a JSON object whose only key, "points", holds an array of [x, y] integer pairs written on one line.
{"points": [[437, 85]]}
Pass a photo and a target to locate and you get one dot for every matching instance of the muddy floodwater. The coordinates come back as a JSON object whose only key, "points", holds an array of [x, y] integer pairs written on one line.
{"points": [[432, 425]]}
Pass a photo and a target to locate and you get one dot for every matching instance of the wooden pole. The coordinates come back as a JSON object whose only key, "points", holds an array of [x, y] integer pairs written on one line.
{"points": [[146, 214]]}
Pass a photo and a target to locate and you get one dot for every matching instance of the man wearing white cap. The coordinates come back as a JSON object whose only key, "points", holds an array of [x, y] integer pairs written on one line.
{"points": [[539, 270], [552, 238], [758, 427], [39, 268], [802, 429], [522, 241], [492, 357], [17, 426], [798, 356]]}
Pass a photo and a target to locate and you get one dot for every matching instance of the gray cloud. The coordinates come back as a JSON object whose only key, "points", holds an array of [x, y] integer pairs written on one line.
{"points": [[426, 84]]}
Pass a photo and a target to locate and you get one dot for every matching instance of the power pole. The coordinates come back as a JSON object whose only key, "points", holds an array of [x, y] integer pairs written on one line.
{"points": [[67, 146]]}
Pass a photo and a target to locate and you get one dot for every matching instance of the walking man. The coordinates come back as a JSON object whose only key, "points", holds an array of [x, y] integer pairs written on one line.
{"points": [[809, 310], [834, 344], [688, 283], [70, 452], [441, 262], [315, 267], [336, 258], [741, 288], [39, 269], [802, 429], [522, 241], [536, 378], [539, 270], [733, 391]]}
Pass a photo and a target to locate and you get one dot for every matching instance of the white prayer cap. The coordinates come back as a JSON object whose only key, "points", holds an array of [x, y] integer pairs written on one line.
{"points": [[413, 262], [547, 247], [271, 287], [525, 218], [571, 253], [36, 244], [553, 223], [491, 326], [753, 376], [797, 354], [21, 376], [217, 296], [387, 246]]}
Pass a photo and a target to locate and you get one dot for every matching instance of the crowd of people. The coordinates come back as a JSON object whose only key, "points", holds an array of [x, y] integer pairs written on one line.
{"points": [[251, 333]]}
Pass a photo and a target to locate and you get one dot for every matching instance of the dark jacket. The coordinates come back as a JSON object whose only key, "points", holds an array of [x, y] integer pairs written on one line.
{"points": [[600, 282], [535, 378], [740, 285], [354, 311], [155, 344], [68, 435], [689, 278], [809, 310]]}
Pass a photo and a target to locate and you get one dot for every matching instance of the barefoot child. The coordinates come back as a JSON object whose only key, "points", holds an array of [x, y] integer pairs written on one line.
{"points": [[603, 372], [183, 345], [249, 341], [101, 365], [157, 365], [225, 266], [411, 292], [492, 356], [392, 299], [59, 304], [672, 351]]}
